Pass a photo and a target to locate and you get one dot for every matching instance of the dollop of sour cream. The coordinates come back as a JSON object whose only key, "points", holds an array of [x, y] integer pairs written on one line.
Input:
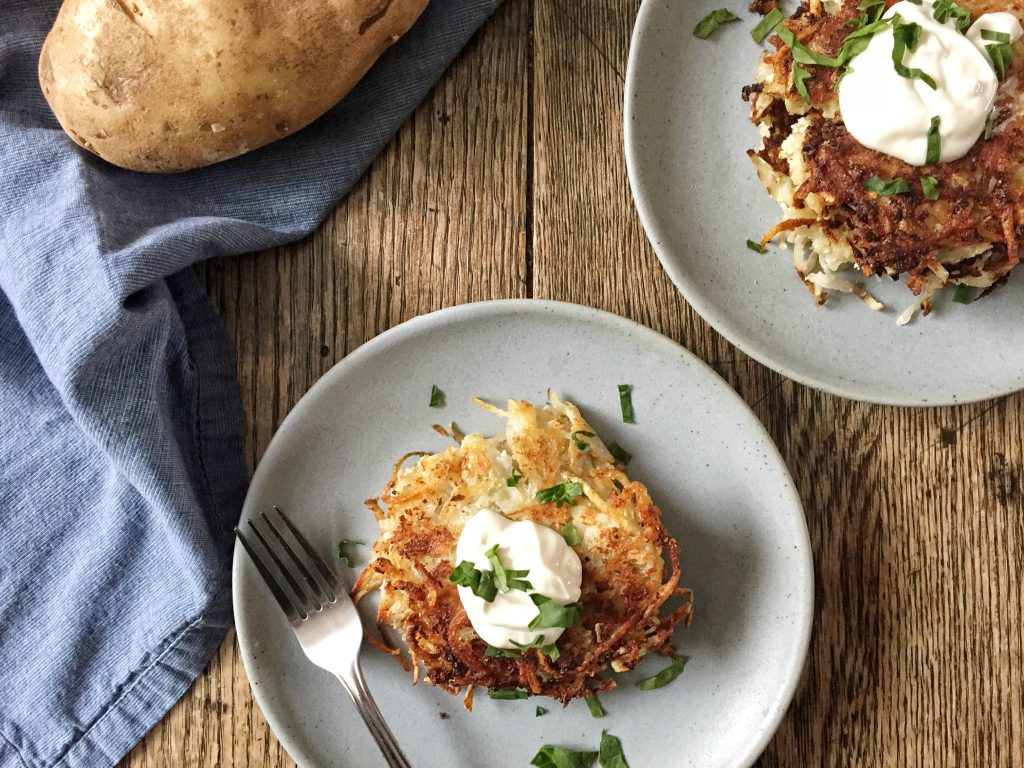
{"points": [[890, 113], [554, 569]]}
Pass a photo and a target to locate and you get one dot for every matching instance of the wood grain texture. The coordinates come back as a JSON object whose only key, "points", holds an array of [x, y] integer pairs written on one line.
{"points": [[510, 181]]}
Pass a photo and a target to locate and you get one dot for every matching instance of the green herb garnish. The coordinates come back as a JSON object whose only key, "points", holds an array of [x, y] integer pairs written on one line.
{"points": [[581, 444], [345, 556], [570, 534], [506, 695], [756, 247], [870, 12], [943, 10], [666, 676], [501, 653], [964, 294], [506, 578], [513, 480], [621, 454], [480, 583], [626, 402], [594, 705], [999, 51], [934, 143], [886, 187], [713, 21], [854, 43], [988, 126], [764, 27], [610, 754], [800, 75], [551, 614], [563, 494], [557, 757], [540, 712], [436, 397], [930, 187], [905, 37]]}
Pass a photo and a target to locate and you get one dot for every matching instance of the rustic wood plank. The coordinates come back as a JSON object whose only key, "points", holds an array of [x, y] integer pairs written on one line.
{"points": [[439, 219], [916, 516]]}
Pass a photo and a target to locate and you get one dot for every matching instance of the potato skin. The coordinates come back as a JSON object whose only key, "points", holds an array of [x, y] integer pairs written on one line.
{"points": [[166, 85]]}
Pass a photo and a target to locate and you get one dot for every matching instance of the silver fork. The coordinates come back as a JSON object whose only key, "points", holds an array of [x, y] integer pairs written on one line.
{"points": [[321, 613]]}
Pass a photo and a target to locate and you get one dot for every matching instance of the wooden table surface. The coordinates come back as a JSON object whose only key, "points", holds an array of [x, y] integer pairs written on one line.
{"points": [[509, 181]]}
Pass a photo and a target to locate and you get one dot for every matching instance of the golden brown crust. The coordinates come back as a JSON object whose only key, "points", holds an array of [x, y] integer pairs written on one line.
{"points": [[154, 85], [623, 549]]}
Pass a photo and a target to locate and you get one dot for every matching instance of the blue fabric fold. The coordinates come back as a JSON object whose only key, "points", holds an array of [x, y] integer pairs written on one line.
{"points": [[121, 431]]}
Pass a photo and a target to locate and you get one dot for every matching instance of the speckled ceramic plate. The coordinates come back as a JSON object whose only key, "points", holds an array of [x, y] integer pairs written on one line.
{"points": [[687, 132], [710, 465]]}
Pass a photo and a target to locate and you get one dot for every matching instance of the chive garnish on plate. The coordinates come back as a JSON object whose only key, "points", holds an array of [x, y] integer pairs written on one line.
{"points": [[626, 402], [713, 21], [436, 397], [666, 676]]}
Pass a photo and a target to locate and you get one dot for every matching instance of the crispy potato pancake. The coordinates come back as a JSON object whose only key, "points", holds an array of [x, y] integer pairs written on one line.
{"points": [[624, 549], [816, 171]]}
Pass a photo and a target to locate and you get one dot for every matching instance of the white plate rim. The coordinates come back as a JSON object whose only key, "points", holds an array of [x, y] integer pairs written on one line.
{"points": [[517, 306], [719, 320]]}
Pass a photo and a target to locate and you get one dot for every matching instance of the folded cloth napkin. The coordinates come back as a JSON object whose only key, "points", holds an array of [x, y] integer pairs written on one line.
{"points": [[121, 432]]}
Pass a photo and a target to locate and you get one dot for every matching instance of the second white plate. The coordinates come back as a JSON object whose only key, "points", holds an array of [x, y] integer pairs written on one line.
{"points": [[686, 133]]}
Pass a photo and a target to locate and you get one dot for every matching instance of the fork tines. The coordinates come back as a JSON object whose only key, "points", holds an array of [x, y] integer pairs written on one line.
{"points": [[297, 576]]}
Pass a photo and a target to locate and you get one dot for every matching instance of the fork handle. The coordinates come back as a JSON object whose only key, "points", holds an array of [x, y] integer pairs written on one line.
{"points": [[355, 684]]}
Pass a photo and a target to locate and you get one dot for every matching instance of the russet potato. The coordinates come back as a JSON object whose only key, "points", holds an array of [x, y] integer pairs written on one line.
{"points": [[167, 85]]}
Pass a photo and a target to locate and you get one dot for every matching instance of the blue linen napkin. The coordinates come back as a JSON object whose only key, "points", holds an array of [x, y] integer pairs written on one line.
{"points": [[121, 432]]}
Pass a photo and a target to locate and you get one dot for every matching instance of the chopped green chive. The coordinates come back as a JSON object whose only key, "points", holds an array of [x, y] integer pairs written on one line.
{"points": [[551, 651], [581, 444], [506, 695], [943, 10], [626, 402], [563, 494], [988, 125], [934, 143], [886, 187], [610, 754], [620, 454], [870, 12], [666, 676], [344, 555], [436, 397], [571, 536], [513, 480], [505, 578], [501, 653], [906, 38], [930, 187], [480, 583], [594, 705], [999, 52], [800, 76], [713, 21], [756, 247], [764, 27], [557, 757], [854, 43], [551, 614], [540, 712], [964, 294]]}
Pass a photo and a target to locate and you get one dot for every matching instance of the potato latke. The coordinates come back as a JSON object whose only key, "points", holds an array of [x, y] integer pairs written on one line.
{"points": [[624, 548]]}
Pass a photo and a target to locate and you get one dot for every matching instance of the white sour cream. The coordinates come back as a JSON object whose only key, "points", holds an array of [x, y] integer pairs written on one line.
{"points": [[554, 569], [891, 113]]}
